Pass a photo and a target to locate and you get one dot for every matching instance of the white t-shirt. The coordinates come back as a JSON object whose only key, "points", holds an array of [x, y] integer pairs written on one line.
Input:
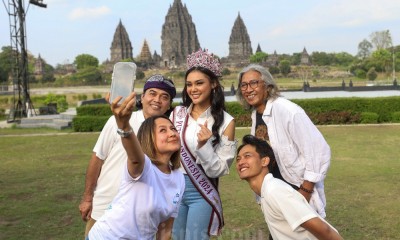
{"points": [[285, 209], [110, 149], [141, 204]]}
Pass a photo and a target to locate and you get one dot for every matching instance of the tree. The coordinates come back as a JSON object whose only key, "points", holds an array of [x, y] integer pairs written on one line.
{"points": [[258, 57], [343, 58], [382, 60], [304, 72], [296, 58], [381, 39], [364, 49], [284, 66], [226, 72], [273, 70], [140, 75], [48, 75], [5, 63], [86, 60], [322, 58], [89, 76], [372, 74]]}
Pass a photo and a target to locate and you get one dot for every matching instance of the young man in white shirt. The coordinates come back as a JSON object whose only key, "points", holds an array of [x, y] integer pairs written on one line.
{"points": [[286, 211]]}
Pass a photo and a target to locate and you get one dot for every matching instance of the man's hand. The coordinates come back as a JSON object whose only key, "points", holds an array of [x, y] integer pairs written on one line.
{"points": [[85, 207]]}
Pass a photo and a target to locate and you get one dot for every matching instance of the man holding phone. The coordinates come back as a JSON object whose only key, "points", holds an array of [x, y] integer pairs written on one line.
{"points": [[108, 158]]}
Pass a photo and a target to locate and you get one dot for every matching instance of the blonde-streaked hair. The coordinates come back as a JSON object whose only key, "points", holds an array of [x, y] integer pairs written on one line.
{"points": [[146, 137]]}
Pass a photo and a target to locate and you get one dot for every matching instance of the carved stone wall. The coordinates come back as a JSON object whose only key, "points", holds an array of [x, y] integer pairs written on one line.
{"points": [[145, 55], [179, 37], [121, 47], [239, 43]]}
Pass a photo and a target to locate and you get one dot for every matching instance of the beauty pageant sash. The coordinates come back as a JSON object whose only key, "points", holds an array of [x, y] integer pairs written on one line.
{"points": [[197, 175]]}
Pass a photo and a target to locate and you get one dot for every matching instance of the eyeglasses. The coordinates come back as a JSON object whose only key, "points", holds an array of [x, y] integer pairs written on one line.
{"points": [[253, 84], [160, 78]]}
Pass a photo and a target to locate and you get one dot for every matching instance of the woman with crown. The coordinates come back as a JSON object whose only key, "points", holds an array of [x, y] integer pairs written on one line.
{"points": [[208, 147]]}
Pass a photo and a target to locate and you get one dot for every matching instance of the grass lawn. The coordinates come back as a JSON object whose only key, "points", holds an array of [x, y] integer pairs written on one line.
{"points": [[42, 179]]}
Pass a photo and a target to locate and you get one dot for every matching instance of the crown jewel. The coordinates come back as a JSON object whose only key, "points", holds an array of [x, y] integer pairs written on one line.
{"points": [[204, 59]]}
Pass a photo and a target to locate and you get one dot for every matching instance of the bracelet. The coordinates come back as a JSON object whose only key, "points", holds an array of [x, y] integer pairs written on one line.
{"points": [[306, 190], [123, 133]]}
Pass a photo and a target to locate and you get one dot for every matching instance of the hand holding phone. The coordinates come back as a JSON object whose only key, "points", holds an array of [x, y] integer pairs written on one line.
{"points": [[123, 80]]}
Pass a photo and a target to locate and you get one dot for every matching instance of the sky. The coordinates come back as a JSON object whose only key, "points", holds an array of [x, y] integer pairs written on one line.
{"points": [[67, 28]]}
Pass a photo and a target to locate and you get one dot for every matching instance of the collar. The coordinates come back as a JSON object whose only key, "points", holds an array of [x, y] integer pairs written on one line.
{"points": [[205, 114], [268, 108]]}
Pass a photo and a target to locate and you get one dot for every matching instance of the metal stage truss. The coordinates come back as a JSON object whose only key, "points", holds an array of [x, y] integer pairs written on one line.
{"points": [[22, 105]]}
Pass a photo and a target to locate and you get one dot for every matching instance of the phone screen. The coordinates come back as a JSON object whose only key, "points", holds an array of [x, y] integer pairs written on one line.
{"points": [[123, 80]]}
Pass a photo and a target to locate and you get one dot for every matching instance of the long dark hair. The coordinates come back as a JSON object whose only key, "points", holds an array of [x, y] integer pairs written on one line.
{"points": [[217, 101]]}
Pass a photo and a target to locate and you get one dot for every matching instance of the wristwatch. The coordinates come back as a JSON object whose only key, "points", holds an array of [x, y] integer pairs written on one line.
{"points": [[123, 133]]}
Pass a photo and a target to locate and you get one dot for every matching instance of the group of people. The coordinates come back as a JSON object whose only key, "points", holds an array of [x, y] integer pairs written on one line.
{"points": [[154, 172]]}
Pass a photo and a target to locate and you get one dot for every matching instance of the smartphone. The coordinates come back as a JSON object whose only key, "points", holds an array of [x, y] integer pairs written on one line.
{"points": [[123, 80]]}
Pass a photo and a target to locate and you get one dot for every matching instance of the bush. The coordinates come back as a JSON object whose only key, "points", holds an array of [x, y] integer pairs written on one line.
{"points": [[4, 100], [274, 70], [89, 123], [321, 111], [372, 74], [140, 75], [226, 72], [369, 117], [2, 113], [360, 73], [97, 95], [396, 117], [333, 117], [94, 110], [60, 100]]}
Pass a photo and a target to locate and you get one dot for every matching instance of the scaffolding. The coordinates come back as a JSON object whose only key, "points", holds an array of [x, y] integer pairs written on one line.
{"points": [[22, 105]]}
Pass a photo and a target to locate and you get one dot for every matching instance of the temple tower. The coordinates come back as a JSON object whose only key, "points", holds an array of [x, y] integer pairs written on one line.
{"points": [[305, 58], [121, 47], [239, 43], [258, 48], [273, 59], [145, 55], [179, 37], [39, 66]]}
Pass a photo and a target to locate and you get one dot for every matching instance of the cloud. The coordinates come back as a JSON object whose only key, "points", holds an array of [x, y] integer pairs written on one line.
{"points": [[79, 13]]}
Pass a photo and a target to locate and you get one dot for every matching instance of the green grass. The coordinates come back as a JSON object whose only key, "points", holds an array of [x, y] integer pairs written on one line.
{"points": [[42, 179]]}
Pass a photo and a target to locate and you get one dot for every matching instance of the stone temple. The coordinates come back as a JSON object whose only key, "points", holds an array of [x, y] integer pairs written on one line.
{"points": [[239, 44], [121, 47], [179, 37], [178, 40]]}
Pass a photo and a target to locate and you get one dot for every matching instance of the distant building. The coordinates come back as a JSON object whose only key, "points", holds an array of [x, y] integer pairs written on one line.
{"points": [[239, 44], [121, 47], [273, 60], [39, 66], [145, 57], [156, 58], [258, 49], [179, 37], [305, 58]]}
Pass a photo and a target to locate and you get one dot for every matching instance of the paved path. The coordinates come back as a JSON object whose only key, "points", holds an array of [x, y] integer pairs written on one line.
{"points": [[4, 124]]}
